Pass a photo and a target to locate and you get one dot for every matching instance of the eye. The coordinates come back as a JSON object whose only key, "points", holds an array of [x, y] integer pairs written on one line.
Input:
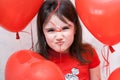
{"points": [[65, 28], [50, 30]]}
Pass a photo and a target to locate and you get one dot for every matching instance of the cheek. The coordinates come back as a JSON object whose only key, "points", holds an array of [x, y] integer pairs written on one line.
{"points": [[70, 33], [49, 39], [69, 37]]}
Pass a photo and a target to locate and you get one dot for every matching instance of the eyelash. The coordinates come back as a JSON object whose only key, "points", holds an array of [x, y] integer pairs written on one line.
{"points": [[52, 30], [65, 27]]}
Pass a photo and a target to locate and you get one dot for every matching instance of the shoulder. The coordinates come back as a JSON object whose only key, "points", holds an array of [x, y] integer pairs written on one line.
{"points": [[87, 48], [90, 54]]}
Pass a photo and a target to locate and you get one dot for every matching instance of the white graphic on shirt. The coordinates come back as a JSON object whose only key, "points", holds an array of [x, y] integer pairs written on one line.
{"points": [[73, 75]]}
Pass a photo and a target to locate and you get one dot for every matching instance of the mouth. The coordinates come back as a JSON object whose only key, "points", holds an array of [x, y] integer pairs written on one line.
{"points": [[60, 43]]}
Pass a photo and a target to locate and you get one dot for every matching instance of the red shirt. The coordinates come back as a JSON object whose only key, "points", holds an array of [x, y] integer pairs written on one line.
{"points": [[71, 66]]}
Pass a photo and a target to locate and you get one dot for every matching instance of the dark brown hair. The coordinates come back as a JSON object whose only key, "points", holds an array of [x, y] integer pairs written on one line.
{"points": [[67, 10]]}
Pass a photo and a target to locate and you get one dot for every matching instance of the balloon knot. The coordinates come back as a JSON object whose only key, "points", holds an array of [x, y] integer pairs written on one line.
{"points": [[17, 36], [111, 49]]}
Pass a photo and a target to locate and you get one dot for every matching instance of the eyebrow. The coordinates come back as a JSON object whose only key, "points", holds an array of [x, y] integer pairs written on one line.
{"points": [[58, 25], [55, 24]]}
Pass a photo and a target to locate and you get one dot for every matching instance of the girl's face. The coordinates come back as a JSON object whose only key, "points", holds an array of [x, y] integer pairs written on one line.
{"points": [[58, 34]]}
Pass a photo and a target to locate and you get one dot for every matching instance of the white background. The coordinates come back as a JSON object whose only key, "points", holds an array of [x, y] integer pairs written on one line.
{"points": [[9, 44]]}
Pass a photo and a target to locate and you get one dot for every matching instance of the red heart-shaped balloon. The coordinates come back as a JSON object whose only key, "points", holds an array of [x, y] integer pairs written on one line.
{"points": [[115, 75], [101, 18], [16, 14], [29, 65]]}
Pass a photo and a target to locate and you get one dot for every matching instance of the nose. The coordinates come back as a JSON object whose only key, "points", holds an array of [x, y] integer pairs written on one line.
{"points": [[59, 36]]}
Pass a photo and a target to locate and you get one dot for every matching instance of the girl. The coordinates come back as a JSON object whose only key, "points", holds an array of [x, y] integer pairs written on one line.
{"points": [[60, 40]]}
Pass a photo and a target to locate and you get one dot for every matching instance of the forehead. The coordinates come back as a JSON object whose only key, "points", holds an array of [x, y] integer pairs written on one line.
{"points": [[56, 20]]}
